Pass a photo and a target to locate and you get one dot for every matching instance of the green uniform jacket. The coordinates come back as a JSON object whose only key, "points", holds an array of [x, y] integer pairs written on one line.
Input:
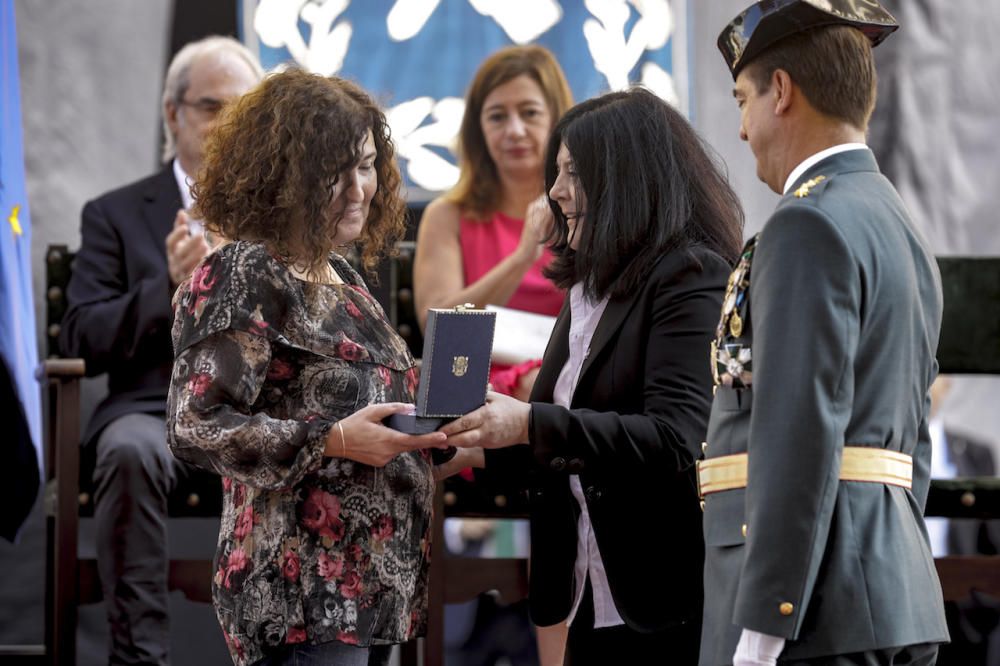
{"points": [[837, 335]]}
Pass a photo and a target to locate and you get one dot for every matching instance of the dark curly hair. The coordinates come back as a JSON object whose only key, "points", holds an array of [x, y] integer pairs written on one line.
{"points": [[274, 157]]}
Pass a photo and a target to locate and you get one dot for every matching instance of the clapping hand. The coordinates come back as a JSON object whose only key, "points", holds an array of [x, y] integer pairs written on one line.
{"points": [[537, 224], [184, 249]]}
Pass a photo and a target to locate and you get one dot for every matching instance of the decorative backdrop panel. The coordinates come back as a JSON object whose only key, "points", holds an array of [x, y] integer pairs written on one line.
{"points": [[418, 56]]}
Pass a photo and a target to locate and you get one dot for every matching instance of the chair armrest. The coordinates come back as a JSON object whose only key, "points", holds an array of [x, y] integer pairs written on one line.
{"points": [[62, 369]]}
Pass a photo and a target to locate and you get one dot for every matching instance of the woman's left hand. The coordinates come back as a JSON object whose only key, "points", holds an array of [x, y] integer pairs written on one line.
{"points": [[502, 421]]}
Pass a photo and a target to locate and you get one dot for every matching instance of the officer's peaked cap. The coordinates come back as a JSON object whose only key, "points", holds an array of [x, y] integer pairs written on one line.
{"points": [[765, 22]]}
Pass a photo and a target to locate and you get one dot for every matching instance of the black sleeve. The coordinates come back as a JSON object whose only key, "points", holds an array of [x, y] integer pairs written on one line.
{"points": [[109, 318]]}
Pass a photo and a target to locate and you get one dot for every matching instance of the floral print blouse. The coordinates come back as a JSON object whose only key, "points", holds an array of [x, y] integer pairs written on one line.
{"points": [[311, 549]]}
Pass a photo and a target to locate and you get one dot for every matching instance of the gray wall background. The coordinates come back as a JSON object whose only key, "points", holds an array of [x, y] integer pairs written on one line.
{"points": [[91, 73]]}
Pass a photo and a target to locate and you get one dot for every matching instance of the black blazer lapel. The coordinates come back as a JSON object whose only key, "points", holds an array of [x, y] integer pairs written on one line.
{"points": [[614, 314], [161, 201], [557, 351]]}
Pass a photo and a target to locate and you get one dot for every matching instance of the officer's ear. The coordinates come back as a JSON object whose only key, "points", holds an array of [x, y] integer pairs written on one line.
{"points": [[782, 90]]}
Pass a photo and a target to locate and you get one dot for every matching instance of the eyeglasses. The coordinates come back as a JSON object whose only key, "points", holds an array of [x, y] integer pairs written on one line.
{"points": [[207, 105]]}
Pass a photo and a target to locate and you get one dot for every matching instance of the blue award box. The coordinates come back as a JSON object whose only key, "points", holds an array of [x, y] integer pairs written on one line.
{"points": [[455, 369]]}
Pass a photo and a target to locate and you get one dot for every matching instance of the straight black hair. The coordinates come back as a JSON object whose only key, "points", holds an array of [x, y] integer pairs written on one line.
{"points": [[651, 185]]}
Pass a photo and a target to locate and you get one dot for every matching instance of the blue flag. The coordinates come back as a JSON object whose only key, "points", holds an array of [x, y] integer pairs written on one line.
{"points": [[21, 445]]}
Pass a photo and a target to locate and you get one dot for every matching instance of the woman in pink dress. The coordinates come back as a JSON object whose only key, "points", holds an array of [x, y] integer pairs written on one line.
{"points": [[482, 241]]}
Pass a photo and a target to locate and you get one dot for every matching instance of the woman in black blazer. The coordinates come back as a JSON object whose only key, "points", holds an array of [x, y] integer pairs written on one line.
{"points": [[645, 231]]}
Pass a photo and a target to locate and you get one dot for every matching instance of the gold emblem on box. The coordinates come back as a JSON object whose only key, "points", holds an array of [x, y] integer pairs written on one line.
{"points": [[459, 365]]}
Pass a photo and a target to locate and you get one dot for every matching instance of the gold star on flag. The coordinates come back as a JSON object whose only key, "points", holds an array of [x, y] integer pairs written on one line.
{"points": [[14, 223]]}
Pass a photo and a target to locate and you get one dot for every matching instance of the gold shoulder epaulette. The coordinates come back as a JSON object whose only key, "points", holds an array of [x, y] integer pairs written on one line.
{"points": [[803, 190]]}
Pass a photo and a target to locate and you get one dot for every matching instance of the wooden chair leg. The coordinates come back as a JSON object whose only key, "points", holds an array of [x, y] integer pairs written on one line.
{"points": [[62, 392]]}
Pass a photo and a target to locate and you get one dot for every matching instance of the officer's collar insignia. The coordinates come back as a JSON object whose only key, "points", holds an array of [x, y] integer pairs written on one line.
{"points": [[803, 190]]}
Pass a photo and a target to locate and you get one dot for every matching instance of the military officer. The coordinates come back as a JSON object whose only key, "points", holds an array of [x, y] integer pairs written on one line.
{"points": [[817, 455]]}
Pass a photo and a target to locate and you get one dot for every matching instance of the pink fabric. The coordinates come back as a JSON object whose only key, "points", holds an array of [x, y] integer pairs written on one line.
{"points": [[484, 245]]}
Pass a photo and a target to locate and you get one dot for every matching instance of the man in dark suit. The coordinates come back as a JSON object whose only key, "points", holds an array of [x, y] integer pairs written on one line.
{"points": [[137, 244], [818, 453], [969, 458]]}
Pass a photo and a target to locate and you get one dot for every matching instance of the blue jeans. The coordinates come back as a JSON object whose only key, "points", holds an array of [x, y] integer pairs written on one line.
{"points": [[333, 653]]}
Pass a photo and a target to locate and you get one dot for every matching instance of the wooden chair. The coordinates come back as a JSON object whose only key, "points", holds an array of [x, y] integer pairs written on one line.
{"points": [[970, 343], [70, 579], [455, 579], [978, 499]]}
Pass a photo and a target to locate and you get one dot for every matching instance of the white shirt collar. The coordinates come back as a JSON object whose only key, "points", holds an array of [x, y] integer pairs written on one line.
{"points": [[818, 157], [183, 184]]}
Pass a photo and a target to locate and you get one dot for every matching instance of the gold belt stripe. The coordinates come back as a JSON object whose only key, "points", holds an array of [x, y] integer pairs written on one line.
{"points": [[859, 463]]}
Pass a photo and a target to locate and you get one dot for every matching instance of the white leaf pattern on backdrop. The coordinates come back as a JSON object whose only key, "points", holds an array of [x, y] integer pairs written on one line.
{"points": [[425, 129], [615, 54], [407, 18], [523, 20], [276, 22], [426, 168]]}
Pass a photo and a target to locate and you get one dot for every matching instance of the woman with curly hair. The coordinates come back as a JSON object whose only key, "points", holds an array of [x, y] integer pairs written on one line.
{"points": [[285, 368]]}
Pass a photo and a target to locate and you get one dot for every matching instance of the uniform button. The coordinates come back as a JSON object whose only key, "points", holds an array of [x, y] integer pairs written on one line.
{"points": [[592, 493], [575, 466], [558, 464], [704, 447], [786, 608], [702, 505], [744, 530]]}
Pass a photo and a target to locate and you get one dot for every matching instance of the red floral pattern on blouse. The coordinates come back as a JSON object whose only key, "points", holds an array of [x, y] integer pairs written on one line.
{"points": [[311, 549]]}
